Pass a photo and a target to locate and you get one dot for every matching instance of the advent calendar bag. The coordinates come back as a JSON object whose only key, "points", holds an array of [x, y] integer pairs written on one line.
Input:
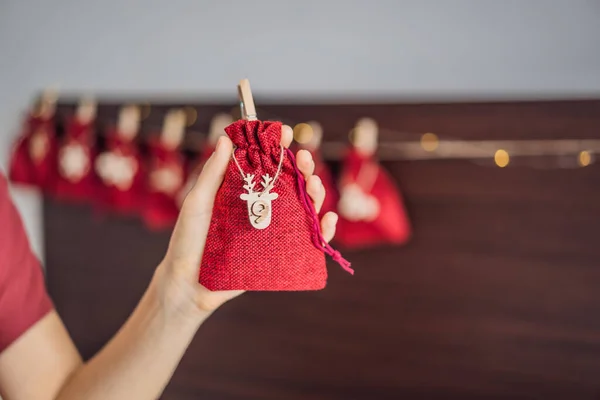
{"points": [[75, 179], [371, 209], [33, 160], [264, 233], [166, 176], [121, 172]]}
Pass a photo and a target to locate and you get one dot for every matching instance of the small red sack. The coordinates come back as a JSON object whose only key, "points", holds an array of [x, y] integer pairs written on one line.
{"points": [[285, 254], [371, 209], [166, 176], [122, 175], [33, 161], [75, 180]]}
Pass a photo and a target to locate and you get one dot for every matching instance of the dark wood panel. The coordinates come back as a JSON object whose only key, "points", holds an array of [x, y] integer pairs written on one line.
{"points": [[495, 297]]}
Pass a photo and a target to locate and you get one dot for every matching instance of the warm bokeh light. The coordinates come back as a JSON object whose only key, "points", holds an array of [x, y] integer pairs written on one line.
{"points": [[430, 142], [584, 158], [501, 158], [303, 133]]}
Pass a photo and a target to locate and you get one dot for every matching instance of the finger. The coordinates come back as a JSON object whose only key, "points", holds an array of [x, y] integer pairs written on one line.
{"points": [[189, 235], [305, 163], [316, 191], [328, 224], [287, 135]]}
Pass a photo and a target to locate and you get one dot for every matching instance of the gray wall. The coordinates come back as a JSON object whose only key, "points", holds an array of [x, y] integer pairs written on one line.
{"points": [[330, 49]]}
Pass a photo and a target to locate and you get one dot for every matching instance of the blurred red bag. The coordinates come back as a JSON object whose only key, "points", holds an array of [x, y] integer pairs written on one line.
{"points": [[371, 208], [75, 178], [122, 176], [33, 160], [264, 233], [166, 176]]}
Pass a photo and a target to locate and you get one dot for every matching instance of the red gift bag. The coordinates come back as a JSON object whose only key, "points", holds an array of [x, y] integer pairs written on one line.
{"points": [[264, 234], [75, 178], [33, 160], [166, 176], [371, 209], [122, 176]]}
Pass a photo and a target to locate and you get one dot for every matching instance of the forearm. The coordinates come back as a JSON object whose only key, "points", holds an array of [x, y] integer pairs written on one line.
{"points": [[141, 358]]}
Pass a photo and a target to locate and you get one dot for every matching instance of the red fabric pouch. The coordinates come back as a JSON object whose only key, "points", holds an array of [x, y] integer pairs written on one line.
{"points": [[371, 208], [264, 233], [33, 161], [122, 176], [75, 179], [166, 176]]}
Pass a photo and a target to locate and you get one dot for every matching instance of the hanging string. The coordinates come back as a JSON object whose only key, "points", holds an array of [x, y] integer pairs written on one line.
{"points": [[430, 147]]}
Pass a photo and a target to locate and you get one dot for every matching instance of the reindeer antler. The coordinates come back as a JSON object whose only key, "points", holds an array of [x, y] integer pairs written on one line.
{"points": [[266, 183], [249, 186]]}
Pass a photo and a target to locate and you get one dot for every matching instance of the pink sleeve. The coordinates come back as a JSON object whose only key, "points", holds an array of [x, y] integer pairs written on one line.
{"points": [[23, 296]]}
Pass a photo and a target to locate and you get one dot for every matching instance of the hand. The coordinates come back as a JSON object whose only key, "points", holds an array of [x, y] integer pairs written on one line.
{"points": [[177, 275]]}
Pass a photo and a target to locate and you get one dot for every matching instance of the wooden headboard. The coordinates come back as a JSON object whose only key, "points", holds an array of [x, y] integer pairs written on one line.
{"points": [[496, 296]]}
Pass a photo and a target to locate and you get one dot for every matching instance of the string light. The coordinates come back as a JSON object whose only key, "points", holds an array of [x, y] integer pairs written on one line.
{"points": [[501, 158], [585, 158], [191, 115], [303, 133], [430, 142]]}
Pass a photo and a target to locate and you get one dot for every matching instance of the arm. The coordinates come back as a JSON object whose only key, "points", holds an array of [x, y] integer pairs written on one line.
{"points": [[139, 361]]}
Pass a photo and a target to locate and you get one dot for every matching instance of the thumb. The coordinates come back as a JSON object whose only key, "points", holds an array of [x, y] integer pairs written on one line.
{"points": [[189, 236]]}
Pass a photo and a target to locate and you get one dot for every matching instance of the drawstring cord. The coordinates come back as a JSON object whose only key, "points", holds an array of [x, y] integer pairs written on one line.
{"points": [[317, 236]]}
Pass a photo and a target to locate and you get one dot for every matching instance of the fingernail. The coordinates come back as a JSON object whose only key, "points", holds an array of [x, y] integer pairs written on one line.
{"points": [[219, 143]]}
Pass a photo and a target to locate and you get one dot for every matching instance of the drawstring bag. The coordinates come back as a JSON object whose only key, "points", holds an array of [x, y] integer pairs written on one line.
{"points": [[370, 208], [166, 176], [75, 180], [121, 172], [264, 233], [33, 160]]}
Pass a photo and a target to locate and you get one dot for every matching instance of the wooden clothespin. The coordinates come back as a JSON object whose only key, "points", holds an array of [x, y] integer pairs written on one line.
{"points": [[86, 110], [173, 128], [364, 136], [45, 106], [129, 122], [247, 109]]}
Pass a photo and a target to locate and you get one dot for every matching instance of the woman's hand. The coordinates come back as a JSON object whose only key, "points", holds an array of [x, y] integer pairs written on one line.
{"points": [[176, 277]]}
